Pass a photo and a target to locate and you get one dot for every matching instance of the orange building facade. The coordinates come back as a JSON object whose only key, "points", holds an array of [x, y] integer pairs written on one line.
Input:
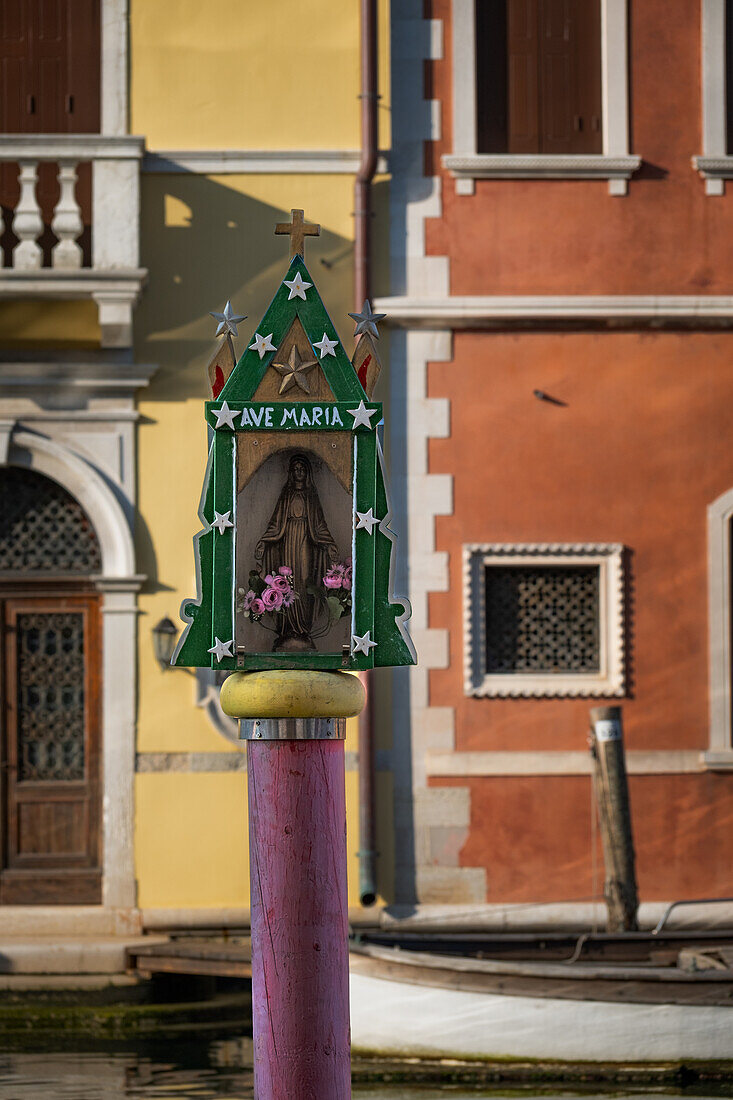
{"points": [[561, 356]]}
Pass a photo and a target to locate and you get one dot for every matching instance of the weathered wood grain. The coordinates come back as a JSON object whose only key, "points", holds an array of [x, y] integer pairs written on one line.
{"points": [[300, 976]]}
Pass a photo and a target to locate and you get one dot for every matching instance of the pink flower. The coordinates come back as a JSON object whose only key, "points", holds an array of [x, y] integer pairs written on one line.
{"points": [[269, 578], [247, 602], [272, 599], [346, 579], [257, 607], [280, 584], [330, 581], [285, 571], [289, 598]]}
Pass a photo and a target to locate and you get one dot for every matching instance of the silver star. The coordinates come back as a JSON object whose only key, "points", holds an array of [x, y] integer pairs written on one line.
{"points": [[362, 415], [222, 520], [363, 644], [221, 649], [225, 416], [367, 521], [297, 286], [366, 321], [261, 344], [294, 371], [326, 346], [228, 320]]}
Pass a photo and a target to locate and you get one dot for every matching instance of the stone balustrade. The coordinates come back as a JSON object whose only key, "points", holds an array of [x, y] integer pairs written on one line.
{"points": [[111, 274]]}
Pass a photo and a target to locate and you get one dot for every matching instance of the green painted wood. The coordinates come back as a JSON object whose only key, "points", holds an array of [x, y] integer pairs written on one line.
{"points": [[363, 566], [224, 581], [279, 316], [197, 613], [391, 612], [211, 615]]}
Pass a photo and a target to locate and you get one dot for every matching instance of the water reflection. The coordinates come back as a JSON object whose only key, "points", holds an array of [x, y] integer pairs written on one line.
{"points": [[125, 1076]]}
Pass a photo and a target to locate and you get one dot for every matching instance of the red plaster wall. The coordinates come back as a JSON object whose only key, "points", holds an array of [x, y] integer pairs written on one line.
{"points": [[533, 837], [571, 237], [638, 451], [641, 448]]}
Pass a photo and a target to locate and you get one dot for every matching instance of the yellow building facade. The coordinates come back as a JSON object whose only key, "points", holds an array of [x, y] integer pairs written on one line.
{"points": [[214, 121]]}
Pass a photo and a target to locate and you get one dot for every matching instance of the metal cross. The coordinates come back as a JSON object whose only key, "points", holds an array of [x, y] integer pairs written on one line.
{"points": [[298, 231]]}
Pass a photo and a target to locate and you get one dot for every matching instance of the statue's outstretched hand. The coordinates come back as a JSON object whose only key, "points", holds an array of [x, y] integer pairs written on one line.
{"points": [[333, 552]]}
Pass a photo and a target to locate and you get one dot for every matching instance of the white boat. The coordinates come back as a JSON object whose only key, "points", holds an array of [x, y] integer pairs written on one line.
{"points": [[631, 998]]}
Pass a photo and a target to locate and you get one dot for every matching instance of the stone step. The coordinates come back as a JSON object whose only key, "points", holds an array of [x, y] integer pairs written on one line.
{"points": [[68, 955]]}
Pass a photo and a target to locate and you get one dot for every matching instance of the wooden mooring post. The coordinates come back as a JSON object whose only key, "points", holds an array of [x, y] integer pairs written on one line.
{"points": [[297, 841], [612, 798]]}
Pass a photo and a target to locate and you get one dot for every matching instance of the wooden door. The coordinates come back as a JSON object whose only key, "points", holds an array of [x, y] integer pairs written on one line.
{"points": [[51, 749], [49, 84]]}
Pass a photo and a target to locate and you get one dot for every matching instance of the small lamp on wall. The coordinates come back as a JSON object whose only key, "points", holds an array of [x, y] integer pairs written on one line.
{"points": [[165, 636]]}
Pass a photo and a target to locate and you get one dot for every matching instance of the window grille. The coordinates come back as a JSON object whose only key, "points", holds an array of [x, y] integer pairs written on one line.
{"points": [[542, 619], [50, 696], [42, 528]]}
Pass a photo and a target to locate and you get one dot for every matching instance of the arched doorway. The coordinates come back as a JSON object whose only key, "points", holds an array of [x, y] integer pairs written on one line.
{"points": [[51, 660]]}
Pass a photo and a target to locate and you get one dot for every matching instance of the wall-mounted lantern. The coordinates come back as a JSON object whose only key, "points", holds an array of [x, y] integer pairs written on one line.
{"points": [[165, 636]]}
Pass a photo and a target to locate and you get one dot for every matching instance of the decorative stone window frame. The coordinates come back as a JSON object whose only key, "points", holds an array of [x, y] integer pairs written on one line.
{"points": [[615, 162], [719, 756], [715, 166], [610, 679]]}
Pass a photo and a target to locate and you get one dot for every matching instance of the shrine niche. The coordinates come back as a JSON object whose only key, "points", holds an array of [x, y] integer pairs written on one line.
{"points": [[295, 558]]}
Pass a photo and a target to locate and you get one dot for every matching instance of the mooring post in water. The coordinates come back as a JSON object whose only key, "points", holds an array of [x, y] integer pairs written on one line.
{"points": [[614, 812], [299, 915]]}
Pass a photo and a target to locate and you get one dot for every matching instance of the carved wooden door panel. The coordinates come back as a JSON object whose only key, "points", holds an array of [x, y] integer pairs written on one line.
{"points": [[51, 844]]}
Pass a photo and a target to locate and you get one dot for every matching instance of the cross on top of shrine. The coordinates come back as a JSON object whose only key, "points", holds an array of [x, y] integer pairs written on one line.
{"points": [[298, 230]]}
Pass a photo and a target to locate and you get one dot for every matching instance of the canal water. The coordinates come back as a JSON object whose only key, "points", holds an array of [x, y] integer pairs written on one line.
{"points": [[116, 1076]]}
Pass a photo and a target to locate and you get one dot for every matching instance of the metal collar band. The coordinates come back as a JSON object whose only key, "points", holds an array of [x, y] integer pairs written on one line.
{"points": [[292, 729]]}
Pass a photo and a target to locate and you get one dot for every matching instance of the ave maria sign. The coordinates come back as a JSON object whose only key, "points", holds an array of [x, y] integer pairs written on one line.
{"points": [[296, 554]]}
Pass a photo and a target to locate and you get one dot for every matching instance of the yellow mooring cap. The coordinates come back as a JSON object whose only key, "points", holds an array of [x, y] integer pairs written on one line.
{"points": [[293, 693]]}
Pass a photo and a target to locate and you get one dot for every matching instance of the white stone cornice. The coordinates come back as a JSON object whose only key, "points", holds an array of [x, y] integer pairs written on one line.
{"points": [[487, 311], [70, 147], [715, 171], [253, 161], [22, 378], [542, 166], [558, 762]]}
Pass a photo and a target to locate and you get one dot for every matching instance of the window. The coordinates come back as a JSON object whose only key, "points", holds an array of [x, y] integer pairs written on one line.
{"points": [[538, 76], [543, 620], [716, 163], [540, 91]]}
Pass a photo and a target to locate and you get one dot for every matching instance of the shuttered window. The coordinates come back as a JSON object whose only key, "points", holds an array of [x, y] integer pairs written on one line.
{"points": [[538, 76]]}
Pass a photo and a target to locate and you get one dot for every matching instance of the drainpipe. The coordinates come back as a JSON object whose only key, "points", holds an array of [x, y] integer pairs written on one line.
{"points": [[362, 279]]}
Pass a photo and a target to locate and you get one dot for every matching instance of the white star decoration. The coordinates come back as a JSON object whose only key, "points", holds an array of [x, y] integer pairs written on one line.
{"points": [[362, 415], [366, 321], [221, 521], [225, 416], [363, 644], [221, 649], [326, 346], [297, 286], [261, 344], [367, 521], [228, 320]]}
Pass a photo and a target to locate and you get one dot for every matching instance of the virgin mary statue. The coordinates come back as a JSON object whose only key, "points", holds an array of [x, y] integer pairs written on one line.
{"points": [[298, 536]]}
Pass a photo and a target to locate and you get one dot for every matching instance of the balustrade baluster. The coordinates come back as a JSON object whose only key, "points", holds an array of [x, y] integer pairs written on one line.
{"points": [[27, 221], [66, 222]]}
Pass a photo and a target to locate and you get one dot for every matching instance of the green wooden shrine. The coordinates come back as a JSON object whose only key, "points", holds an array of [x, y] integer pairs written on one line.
{"points": [[295, 559]]}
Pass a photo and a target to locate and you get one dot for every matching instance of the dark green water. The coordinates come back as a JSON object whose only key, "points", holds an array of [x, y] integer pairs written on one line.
{"points": [[115, 1076]]}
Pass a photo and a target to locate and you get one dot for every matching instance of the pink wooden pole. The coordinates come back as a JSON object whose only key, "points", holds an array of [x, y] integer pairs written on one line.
{"points": [[300, 959]]}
